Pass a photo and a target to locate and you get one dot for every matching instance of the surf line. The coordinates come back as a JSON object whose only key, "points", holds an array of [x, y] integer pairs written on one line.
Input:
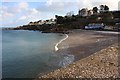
{"points": [[56, 46]]}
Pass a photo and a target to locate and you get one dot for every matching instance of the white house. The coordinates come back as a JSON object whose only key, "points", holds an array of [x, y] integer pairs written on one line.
{"points": [[85, 12], [90, 12]]}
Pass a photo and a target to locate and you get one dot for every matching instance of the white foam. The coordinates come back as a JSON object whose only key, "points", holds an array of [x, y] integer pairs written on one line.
{"points": [[56, 46], [66, 60]]}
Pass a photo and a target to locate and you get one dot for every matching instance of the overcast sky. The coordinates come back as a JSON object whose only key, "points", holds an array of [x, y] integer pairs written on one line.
{"points": [[16, 12]]}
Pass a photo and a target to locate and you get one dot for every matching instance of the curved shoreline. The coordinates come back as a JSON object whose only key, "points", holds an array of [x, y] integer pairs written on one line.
{"points": [[56, 46], [102, 64]]}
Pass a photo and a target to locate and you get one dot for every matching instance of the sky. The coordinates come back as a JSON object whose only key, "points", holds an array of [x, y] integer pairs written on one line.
{"points": [[15, 13]]}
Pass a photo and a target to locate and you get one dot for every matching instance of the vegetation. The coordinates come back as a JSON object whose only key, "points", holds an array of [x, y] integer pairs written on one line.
{"points": [[71, 21], [95, 10]]}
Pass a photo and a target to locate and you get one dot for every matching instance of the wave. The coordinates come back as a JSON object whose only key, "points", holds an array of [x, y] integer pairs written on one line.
{"points": [[56, 46], [66, 60]]}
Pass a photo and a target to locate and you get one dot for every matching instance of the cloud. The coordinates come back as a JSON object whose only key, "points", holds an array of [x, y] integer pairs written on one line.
{"points": [[23, 5], [119, 5], [20, 13], [20, 7], [14, 9], [30, 14], [7, 15], [113, 4], [23, 0], [22, 18], [49, 2], [33, 11], [57, 7], [60, 6], [84, 4]]}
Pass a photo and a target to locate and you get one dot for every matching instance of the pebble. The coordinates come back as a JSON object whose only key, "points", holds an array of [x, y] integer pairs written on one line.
{"points": [[103, 64]]}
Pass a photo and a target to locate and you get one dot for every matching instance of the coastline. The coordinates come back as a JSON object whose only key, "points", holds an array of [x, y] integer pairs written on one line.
{"points": [[56, 46], [46, 60], [102, 64], [83, 44]]}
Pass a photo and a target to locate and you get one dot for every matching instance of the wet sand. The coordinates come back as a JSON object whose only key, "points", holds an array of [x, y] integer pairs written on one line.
{"points": [[102, 64], [82, 43], [94, 55]]}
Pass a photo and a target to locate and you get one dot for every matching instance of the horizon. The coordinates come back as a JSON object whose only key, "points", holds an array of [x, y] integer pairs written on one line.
{"points": [[17, 13]]}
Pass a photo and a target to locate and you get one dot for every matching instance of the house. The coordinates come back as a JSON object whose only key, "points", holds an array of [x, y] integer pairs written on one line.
{"points": [[70, 14], [31, 23], [50, 22], [85, 12], [90, 12], [40, 22]]}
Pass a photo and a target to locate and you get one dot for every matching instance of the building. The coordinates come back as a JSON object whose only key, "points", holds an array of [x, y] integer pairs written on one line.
{"points": [[40, 22], [90, 12], [70, 14], [31, 23], [50, 22], [85, 12]]}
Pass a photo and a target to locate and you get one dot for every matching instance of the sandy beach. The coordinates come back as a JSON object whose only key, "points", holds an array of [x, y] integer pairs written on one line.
{"points": [[96, 55], [102, 64], [82, 43]]}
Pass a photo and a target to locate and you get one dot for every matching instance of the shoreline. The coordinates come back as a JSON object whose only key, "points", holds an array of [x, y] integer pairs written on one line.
{"points": [[83, 43], [56, 46], [102, 64]]}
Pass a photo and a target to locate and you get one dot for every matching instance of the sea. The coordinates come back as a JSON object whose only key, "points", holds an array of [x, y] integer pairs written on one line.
{"points": [[27, 54]]}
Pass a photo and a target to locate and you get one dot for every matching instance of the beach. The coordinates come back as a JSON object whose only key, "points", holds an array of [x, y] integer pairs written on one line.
{"points": [[103, 64], [91, 51], [82, 43]]}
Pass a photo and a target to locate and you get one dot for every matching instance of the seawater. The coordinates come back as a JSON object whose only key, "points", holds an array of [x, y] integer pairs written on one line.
{"points": [[25, 54]]}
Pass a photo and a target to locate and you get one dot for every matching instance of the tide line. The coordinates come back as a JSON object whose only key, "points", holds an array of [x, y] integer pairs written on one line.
{"points": [[56, 46]]}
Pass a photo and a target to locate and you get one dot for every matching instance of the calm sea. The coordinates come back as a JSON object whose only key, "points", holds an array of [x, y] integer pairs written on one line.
{"points": [[25, 54]]}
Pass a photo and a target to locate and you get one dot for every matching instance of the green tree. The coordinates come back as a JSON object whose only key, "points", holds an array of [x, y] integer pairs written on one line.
{"points": [[59, 19], [101, 8], [106, 8], [95, 10], [107, 16]]}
